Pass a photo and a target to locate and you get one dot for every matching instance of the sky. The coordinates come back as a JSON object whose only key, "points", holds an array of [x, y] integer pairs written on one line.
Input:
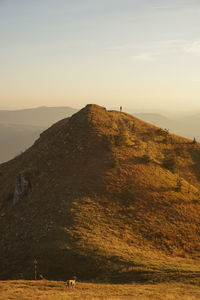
{"points": [[141, 54]]}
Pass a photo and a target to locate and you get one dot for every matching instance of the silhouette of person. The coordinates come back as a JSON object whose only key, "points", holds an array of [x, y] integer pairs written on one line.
{"points": [[120, 108]]}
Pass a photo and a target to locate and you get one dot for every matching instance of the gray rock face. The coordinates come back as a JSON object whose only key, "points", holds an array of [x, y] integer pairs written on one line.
{"points": [[20, 188]]}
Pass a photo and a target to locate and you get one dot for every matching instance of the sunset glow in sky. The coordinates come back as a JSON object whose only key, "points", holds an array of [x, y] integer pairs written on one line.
{"points": [[136, 53]]}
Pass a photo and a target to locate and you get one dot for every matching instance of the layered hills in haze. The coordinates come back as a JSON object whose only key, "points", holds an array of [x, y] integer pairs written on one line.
{"points": [[102, 195], [40, 116], [19, 129], [184, 125], [15, 138]]}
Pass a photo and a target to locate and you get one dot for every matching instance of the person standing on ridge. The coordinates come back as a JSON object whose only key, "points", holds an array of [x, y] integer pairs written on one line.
{"points": [[120, 108]]}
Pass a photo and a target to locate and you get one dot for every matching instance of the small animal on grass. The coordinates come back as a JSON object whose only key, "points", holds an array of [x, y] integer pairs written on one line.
{"points": [[71, 282]]}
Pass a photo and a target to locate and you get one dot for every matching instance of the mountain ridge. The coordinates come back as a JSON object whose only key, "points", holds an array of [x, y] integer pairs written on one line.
{"points": [[43, 117]]}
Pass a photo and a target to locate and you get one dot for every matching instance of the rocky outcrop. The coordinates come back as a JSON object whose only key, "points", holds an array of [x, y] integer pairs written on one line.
{"points": [[21, 187]]}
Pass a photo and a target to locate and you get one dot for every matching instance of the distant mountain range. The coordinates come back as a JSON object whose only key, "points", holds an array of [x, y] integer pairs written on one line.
{"points": [[187, 126], [20, 128], [40, 116], [15, 138]]}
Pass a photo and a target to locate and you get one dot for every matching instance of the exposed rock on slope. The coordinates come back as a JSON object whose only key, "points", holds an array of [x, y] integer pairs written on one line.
{"points": [[107, 196]]}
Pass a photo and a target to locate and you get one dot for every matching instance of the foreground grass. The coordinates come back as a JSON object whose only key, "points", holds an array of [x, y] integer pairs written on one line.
{"points": [[46, 290]]}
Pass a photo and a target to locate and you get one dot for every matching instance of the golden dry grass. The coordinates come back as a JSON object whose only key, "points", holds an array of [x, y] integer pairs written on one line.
{"points": [[52, 290]]}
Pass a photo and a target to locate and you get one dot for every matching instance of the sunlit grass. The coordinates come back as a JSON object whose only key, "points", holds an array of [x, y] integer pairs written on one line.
{"points": [[46, 290]]}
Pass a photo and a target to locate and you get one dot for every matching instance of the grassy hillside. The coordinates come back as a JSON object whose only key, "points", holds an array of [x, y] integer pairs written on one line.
{"points": [[46, 290], [109, 197]]}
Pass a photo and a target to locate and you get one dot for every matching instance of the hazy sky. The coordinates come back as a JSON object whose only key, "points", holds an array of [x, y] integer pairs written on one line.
{"points": [[138, 53]]}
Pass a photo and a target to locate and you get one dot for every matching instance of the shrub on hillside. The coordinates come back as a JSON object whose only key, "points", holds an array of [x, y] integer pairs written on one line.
{"points": [[146, 158], [162, 132], [170, 163], [178, 184]]}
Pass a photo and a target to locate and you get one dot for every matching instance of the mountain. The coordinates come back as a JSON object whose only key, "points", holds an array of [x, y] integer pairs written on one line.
{"points": [[187, 126], [15, 138], [40, 116], [156, 119], [105, 196], [19, 129]]}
